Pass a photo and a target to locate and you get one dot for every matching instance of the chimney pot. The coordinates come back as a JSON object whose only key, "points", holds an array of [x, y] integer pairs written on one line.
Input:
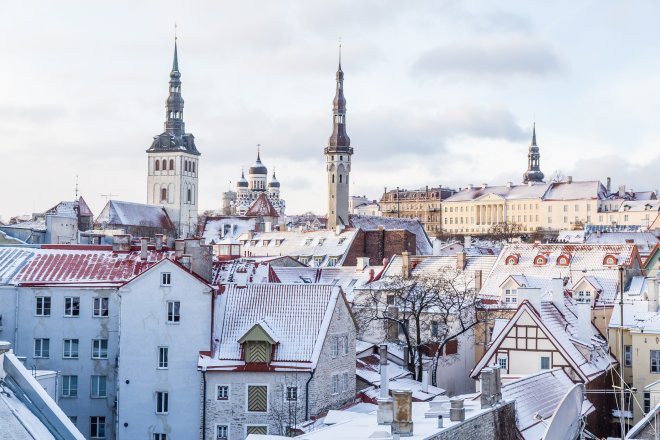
{"points": [[456, 410]]}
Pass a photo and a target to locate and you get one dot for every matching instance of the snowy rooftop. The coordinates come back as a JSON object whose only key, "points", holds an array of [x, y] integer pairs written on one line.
{"points": [[36, 224], [645, 241], [298, 313], [414, 226], [591, 189], [261, 207], [509, 192], [430, 266], [583, 260], [71, 209], [117, 212], [226, 230]]}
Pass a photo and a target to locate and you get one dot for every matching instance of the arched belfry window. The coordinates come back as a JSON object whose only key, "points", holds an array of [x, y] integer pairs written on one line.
{"points": [[193, 167], [163, 195], [157, 165], [341, 178], [185, 166], [164, 165], [333, 178], [189, 195], [171, 164]]}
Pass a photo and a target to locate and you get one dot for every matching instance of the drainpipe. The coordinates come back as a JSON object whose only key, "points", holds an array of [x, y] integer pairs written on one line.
{"points": [[16, 322], [204, 404], [311, 376]]}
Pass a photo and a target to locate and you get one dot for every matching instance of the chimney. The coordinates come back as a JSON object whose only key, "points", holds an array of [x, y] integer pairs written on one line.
{"points": [[402, 424], [487, 383], [144, 248], [392, 326], [609, 185], [5, 346], [470, 186], [478, 280], [405, 265], [461, 260], [532, 295], [186, 261], [361, 263], [467, 242], [622, 191], [201, 257], [385, 411], [425, 378], [179, 247], [121, 243], [509, 184], [569, 179], [339, 229], [558, 294], [456, 410], [436, 246], [583, 312], [652, 294], [406, 356], [158, 241]]}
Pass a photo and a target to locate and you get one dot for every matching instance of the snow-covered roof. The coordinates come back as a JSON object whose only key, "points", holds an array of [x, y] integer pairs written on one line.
{"points": [[117, 212], [644, 205], [414, 226], [584, 260], [645, 241], [509, 192], [539, 393], [367, 368], [562, 331], [12, 259], [8, 239], [70, 209], [226, 230], [569, 236], [261, 207], [299, 314], [649, 420], [323, 244], [590, 189], [35, 224]]}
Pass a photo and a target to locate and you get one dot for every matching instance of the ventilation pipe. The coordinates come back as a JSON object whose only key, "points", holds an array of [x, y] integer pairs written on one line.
{"points": [[385, 412], [583, 312]]}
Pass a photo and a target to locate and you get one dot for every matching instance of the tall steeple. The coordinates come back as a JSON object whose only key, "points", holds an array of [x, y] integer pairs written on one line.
{"points": [[338, 157], [533, 173]]}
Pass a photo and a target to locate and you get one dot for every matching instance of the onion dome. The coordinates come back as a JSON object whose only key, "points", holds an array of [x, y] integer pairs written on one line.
{"points": [[274, 183], [242, 183], [258, 167]]}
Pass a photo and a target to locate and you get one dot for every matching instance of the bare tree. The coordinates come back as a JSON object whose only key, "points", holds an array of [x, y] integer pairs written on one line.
{"points": [[506, 231], [287, 407]]}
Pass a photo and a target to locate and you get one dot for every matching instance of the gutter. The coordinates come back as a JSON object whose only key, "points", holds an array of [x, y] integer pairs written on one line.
{"points": [[311, 376]]}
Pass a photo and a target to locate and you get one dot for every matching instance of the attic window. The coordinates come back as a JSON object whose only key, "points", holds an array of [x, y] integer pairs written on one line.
{"points": [[511, 296], [306, 280], [303, 260], [563, 260], [257, 352], [308, 241], [609, 260], [341, 240], [265, 242], [511, 260], [321, 241], [540, 260], [279, 241], [319, 260], [332, 261], [253, 242]]}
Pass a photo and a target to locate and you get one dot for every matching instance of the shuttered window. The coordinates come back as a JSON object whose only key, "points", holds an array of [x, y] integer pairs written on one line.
{"points": [[257, 398], [257, 352], [263, 430]]}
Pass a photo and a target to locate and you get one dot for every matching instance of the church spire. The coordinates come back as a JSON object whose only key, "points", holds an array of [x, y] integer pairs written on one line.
{"points": [[533, 173], [339, 138], [174, 114]]}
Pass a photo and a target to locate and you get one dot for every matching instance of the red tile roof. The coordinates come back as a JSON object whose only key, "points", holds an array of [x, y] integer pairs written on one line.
{"points": [[261, 208]]}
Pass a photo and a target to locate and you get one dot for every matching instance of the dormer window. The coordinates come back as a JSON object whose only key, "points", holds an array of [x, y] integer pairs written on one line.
{"points": [[341, 240], [540, 260], [279, 241], [259, 343], [319, 260], [308, 241], [511, 296], [563, 260], [321, 241], [583, 296], [610, 260], [511, 260]]}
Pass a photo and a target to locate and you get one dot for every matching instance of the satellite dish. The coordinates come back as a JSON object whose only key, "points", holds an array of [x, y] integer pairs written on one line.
{"points": [[566, 420]]}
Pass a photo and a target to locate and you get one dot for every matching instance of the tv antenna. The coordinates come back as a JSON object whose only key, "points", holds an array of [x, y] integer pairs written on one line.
{"points": [[76, 187], [108, 196]]}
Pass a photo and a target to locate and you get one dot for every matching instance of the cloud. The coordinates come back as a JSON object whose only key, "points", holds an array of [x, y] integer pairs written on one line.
{"points": [[481, 58], [641, 177]]}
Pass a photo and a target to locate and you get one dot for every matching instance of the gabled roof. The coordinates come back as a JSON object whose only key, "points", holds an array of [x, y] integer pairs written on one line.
{"points": [[226, 229], [119, 213], [261, 207], [298, 314], [72, 208], [414, 226], [655, 251], [265, 328], [562, 332]]}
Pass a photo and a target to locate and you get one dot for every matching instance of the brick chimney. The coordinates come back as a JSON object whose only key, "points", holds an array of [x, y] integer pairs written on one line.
{"points": [[361, 264], [405, 265], [179, 247], [144, 248], [558, 294], [652, 294], [402, 425], [392, 326], [491, 386], [584, 326], [456, 410]]}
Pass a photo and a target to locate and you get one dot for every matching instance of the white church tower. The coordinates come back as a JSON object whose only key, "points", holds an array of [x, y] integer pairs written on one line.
{"points": [[338, 158], [174, 163]]}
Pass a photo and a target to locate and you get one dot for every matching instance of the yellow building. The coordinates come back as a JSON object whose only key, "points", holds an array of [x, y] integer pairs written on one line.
{"points": [[424, 204]]}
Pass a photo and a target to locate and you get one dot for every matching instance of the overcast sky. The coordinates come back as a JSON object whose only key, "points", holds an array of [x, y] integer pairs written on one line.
{"points": [[438, 92]]}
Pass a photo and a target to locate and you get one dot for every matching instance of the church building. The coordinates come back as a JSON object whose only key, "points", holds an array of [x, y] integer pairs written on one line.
{"points": [[173, 163]]}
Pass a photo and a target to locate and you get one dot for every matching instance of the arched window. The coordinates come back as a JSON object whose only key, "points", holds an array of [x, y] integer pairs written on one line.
{"points": [[172, 164], [563, 260], [164, 165], [163, 195], [609, 260], [157, 165], [185, 166], [340, 178], [540, 260], [333, 178], [511, 260], [193, 167], [189, 195]]}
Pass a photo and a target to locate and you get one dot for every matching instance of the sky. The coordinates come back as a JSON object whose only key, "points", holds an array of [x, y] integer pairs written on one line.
{"points": [[438, 93]]}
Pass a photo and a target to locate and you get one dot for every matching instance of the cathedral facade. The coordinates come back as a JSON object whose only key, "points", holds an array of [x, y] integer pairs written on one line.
{"points": [[248, 190]]}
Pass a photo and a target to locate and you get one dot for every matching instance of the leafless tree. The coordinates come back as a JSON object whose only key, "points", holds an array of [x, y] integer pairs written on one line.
{"points": [[287, 407], [506, 231]]}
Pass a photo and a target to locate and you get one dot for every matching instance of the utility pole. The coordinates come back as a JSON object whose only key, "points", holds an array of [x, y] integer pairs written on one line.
{"points": [[622, 418]]}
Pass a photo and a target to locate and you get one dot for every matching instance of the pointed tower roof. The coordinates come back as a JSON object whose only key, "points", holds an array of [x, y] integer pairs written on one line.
{"points": [[274, 183], [339, 140], [262, 208], [242, 182], [534, 135], [258, 167], [533, 173]]}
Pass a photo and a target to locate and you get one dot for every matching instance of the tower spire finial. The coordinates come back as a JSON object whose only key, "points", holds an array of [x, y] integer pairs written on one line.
{"points": [[258, 152], [339, 53], [175, 63], [534, 134]]}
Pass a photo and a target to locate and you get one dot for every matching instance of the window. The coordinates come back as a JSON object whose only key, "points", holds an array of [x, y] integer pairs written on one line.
{"points": [[332, 261], [545, 362], [70, 349], [341, 240], [222, 392], [511, 296], [655, 361], [252, 429], [627, 355], [99, 348], [72, 306], [291, 393], [565, 208], [171, 164], [69, 386], [165, 279], [164, 165], [344, 382], [647, 402], [162, 402], [43, 306], [334, 346], [99, 386], [163, 355], [42, 348], [335, 384], [502, 361], [160, 436], [435, 329], [221, 432], [163, 194], [257, 398], [74, 419], [97, 427], [173, 312], [157, 165], [100, 308], [345, 345]]}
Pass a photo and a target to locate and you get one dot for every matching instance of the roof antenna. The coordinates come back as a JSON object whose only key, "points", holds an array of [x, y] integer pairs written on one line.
{"points": [[76, 187]]}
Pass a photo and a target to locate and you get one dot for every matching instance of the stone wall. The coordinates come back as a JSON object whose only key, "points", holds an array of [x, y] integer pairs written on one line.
{"points": [[495, 424], [379, 244]]}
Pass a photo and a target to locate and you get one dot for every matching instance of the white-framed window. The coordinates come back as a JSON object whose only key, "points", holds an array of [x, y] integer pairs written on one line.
{"points": [[163, 358], [222, 392], [435, 329], [647, 402], [627, 355], [43, 306], [72, 306], [344, 381], [162, 402], [100, 309], [97, 427], [332, 261], [165, 279], [655, 361], [334, 384], [221, 432], [159, 436], [545, 362], [42, 348], [69, 386], [257, 398], [99, 348], [99, 387], [511, 296], [334, 346], [503, 362], [70, 349], [173, 312], [291, 394], [345, 345]]}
